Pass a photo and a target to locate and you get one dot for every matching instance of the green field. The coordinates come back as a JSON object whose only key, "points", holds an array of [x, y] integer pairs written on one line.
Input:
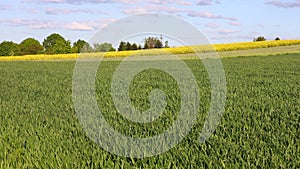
{"points": [[259, 129]]}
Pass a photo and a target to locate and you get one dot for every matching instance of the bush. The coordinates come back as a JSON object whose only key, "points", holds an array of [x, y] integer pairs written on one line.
{"points": [[8, 48], [56, 44], [81, 46], [30, 46], [260, 38]]}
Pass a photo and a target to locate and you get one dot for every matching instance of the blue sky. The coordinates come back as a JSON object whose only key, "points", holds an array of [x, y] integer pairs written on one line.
{"points": [[222, 21]]}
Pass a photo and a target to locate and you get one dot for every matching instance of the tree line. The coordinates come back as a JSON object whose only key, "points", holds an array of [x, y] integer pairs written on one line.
{"points": [[262, 38], [56, 44]]}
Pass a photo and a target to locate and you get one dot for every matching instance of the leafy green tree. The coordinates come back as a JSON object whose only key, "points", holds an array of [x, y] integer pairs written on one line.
{"points": [[149, 43], [134, 46], [146, 46], [81, 46], [30, 46], [152, 42], [260, 38], [56, 44], [277, 38], [104, 47], [122, 46], [9, 48], [167, 44], [158, 44], [128, 46], [112, 49]]}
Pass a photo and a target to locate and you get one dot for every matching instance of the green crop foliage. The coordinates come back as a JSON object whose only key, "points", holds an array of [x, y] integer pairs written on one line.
{"points": [[259, 129]]}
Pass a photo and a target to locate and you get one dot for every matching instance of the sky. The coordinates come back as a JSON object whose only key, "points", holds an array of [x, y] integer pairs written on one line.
{"points": [[221, 21]]}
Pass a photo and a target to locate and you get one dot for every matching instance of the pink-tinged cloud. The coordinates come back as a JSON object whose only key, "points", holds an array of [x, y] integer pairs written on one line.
{"points": [[185, 3], [53, 1], [158, 2], [154, 8], [204, 2], [5, 7], [284, 4], [34, 24], [57, 1], [211, 25], [135, 11], [209, 15], [80, 26], [174, 11], [167, 2], [106, 21], [31, 10], [44, 24], [225, 37], [55, 11], [226, 31], [234, 23], [79, 2]]}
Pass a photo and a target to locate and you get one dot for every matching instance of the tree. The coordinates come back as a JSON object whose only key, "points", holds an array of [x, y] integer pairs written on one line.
{"points": [[112, 49], [122, 46], [81, 46], [30, 46], [146, 46], [149, 43], [152, 42], [128, 46], [134, 46], [104, 47], [167, 44], [9, 48], [56, 44], [260, 38], [158, 44], [277, 38]]}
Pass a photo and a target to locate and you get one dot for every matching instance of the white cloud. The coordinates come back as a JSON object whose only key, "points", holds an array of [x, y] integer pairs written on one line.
{"points": [[284, 4], [44, 24], [236, 37], [55, 11], [168, 2], [80, 26], [212, 25], [154, 8], [235, 23], [5, 7], [226, 31], [80, 2], [176, 11], [186, 3], [209, 15], [135, 11], [204, 2]]}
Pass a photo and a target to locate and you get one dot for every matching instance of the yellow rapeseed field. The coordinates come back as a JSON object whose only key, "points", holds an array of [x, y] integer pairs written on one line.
{"points": [[176, 50]]}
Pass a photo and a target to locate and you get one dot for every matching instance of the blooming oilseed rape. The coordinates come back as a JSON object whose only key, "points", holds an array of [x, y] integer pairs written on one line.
{"points": [[176, 50], [254, 45]]}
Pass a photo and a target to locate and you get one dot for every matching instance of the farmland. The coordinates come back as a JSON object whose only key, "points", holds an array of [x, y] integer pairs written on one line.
{"points": [[259, 129], [224, 50]]}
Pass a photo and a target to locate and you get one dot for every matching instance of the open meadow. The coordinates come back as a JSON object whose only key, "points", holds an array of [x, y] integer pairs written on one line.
{"points": [[259, 128]]}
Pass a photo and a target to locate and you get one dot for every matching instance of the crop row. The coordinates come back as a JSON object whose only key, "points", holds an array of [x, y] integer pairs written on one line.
{"points": [[259, 128]]}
